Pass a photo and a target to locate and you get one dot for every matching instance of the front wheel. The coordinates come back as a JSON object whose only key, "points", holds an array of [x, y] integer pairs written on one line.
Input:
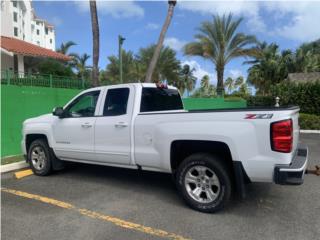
{"points": [[39, 157], [204, 183]]}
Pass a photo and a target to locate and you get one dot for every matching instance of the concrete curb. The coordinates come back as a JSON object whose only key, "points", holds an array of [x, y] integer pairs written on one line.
{"points": [[13, 166], [309, 131]]}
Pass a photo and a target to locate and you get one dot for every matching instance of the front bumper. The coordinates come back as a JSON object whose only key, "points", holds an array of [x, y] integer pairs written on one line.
{"points": [[293, 174]]}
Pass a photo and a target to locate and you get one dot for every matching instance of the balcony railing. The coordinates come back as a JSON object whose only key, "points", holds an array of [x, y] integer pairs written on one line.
{"points": [[42, 80]]}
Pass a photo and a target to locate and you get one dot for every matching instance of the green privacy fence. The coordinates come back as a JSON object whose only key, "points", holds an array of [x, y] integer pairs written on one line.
{"points": [[21, 102], [212, 103], [42, 80]]}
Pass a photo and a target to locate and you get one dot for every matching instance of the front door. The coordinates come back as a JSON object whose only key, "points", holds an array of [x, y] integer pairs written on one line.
{"points": [[112, 129], [74, 133]]}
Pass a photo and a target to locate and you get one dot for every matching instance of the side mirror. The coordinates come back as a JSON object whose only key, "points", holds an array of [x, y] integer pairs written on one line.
{"points": [[58, 111]]}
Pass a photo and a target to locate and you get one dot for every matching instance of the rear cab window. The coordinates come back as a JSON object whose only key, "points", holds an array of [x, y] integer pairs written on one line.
{"points": [[160, 99], [116, 102]]}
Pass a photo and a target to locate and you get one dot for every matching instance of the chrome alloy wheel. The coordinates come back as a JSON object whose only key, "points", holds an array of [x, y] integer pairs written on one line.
{"points": [[202, 184], [38, 158]]}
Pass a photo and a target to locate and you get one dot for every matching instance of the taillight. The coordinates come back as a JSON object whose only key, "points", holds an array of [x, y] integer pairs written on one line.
{"points": [[281, 136]]}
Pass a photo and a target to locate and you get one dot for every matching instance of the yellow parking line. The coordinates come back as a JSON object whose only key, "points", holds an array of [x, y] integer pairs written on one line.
{"points": [[117, 221], [23, 173]]}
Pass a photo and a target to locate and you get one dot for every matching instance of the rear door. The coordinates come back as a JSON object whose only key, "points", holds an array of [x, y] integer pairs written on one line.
{"points": [[113, 126]]}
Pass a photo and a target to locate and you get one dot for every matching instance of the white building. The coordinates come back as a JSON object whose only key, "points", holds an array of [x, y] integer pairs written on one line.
{"points": [[18, 20], [25, 39]]}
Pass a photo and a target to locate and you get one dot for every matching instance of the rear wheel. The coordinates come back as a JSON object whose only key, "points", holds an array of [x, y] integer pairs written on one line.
{"points": [[39, 157], [204, 183]]}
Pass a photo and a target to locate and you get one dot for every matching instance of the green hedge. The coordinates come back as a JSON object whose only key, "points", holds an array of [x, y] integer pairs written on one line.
{"points": [[260, 101], [305, 95], [309, 121]]}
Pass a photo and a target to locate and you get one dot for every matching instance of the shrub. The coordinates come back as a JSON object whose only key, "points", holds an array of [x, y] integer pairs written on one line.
{"points": [[309, 121], [260, 101], [305, 95]]}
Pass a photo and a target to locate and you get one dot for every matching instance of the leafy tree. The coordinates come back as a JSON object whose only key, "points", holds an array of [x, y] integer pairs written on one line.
{"points": [[307, 58], [239, 82], [130, 69], [219, 42], [167, 67], [157, 50], [269, 67], [229, 84], [54, 67], [206, 89], [80, 63], [134, 67]]}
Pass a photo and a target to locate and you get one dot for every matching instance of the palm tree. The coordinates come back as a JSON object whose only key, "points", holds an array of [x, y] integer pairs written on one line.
{"points": [[80, 63], [95, 35], [187, 79], [219, 42], [130, 68], [269, 67], [239, 82], [229, 84], [206, 89], [205, 82], [158, 48], [167, 67], [64, 47]]}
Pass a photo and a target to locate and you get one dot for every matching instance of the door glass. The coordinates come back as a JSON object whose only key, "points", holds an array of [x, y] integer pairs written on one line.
{"points": [[116, 102], [84, 105]]}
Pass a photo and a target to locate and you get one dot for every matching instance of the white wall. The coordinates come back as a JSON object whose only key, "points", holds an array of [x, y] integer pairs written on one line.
{"points": [[6, 19], [26, 24]]}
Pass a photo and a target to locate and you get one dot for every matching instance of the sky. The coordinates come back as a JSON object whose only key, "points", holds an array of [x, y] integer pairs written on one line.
{"points": [[287, 23]]}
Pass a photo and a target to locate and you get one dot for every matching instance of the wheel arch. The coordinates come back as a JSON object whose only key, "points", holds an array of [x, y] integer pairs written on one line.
{"points": [[180, 149], [34, 136]]}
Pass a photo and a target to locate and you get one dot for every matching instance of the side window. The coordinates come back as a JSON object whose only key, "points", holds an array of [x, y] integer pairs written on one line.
{"points": [[116, 102], [84, 105]]}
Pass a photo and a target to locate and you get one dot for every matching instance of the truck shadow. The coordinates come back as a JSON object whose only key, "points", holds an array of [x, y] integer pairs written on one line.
{"points": [[162, 186]]}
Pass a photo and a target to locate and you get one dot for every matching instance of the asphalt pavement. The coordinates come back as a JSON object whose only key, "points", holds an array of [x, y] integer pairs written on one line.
{"points": [[129, 204]]}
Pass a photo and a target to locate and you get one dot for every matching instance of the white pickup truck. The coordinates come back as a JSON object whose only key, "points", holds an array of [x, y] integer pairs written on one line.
{"points": [[210, 153]]}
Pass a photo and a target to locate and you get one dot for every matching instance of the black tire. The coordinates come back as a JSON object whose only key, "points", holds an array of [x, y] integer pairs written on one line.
{"points": [[47, 160], [212, 164]]}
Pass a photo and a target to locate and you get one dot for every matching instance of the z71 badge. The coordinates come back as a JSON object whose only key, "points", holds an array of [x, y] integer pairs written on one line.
{"points": [[258, 116]]}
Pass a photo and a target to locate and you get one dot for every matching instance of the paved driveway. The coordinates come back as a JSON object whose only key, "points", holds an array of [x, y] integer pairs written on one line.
{"points": [[94, 202]]}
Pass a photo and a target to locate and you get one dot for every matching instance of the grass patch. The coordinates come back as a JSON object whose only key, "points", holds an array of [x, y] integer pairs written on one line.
{"points": [[12, 159]]}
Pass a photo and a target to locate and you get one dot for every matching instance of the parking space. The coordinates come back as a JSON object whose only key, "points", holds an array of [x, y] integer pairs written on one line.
{"points": [[113, 203]]}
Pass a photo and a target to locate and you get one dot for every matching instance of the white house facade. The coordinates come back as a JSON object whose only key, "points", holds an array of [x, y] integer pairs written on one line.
{"points": [[25, 38], [18, 20]]}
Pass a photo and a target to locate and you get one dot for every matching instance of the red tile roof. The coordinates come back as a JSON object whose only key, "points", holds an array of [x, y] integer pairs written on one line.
{"points": [[21, 47]]}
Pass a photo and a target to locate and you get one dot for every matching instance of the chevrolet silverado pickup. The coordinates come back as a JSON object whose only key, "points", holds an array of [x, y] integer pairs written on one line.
{"points": [[210, 153]]}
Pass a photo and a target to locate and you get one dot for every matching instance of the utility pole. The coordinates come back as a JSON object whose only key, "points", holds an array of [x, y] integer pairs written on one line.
{"points": [[121, 40]]}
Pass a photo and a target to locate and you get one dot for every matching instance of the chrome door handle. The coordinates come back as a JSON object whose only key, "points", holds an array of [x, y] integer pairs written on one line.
{"points": [[121, 124], [86, 125]]}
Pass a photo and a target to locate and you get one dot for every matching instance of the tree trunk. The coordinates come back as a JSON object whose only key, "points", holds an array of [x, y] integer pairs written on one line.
{"points": [[157, 50], [220, 88], [95, 35]]}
